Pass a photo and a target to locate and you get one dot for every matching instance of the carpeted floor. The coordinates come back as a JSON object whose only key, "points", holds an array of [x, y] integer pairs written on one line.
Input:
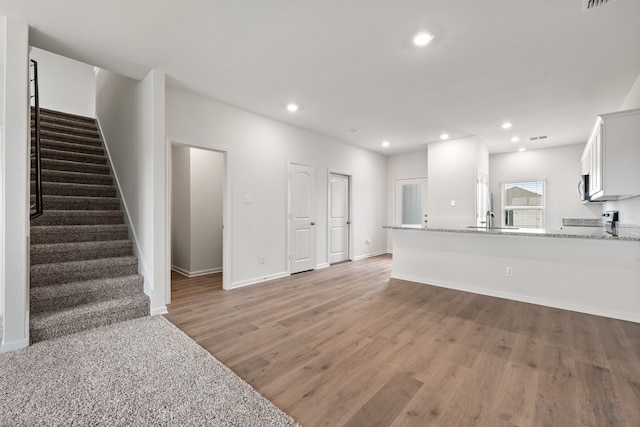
{"points": [[139, 372]]}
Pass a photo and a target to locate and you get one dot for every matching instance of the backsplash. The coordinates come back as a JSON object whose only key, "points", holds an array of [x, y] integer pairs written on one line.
{"points": [[629, 210], [581, 222]]}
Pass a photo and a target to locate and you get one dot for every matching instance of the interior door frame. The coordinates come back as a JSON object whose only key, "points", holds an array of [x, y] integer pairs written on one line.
{"points": [[227, 218], [289, 254], [350, 207]]}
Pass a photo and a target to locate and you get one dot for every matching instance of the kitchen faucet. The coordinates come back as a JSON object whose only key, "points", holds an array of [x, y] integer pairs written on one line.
{"points": [[489, 220]]}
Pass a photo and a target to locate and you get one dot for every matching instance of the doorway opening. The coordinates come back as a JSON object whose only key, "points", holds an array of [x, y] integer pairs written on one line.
{"points": [[339, 218], [198, 214]]}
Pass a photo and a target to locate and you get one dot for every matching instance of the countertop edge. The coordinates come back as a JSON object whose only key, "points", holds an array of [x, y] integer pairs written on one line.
{"points": [[519, 233]]}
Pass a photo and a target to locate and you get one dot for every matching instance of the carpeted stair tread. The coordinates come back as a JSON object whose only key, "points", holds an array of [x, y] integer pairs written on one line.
{"points": [[93, 217], [52, 324], [66, 295], [52, 144], [80, 203], [76, 189], [42, 234], [49, 175], [70, 166], [48, 253], [46, 112], [68, 128], [78, 139], [46, 153], [72, 271]]}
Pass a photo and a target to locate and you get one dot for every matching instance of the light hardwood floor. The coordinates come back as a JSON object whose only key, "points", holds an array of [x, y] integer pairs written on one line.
{"points": [[347, 345]]}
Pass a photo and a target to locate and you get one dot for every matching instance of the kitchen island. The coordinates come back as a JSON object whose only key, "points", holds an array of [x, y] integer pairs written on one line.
{"points": [[583, 269]]}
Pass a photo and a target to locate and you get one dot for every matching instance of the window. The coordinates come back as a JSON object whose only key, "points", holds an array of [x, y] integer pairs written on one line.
{"points": [[523, 204]]}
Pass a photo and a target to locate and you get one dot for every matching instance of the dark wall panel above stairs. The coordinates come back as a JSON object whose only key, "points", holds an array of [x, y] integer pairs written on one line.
{"points": [[83, 271]]}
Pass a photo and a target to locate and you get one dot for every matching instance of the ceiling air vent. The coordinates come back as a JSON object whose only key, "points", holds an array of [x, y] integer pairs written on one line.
{"points": [[588, 5], [539, 138]]}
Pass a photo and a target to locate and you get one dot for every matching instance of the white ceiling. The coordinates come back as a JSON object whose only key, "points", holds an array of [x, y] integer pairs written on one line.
{"points": [[541, 64]]}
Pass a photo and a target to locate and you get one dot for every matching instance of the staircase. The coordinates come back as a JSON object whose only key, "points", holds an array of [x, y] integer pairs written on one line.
{"points": [[83, 271]]}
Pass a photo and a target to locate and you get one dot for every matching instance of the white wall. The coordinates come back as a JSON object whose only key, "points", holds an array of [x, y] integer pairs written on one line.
{"points": [[452, 175], [196, 222], [180, 208], [131, 116], [560, 169], [259, 152], [15, 169], [206, 175], [64, 84]]}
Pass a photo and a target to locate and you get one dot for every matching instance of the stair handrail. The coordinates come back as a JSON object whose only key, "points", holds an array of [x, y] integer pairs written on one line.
{"points": [[36, 208]]}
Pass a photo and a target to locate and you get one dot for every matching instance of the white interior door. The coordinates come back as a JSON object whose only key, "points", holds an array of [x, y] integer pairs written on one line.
{"points": [[410, 202], [339, 218], [302, 218]]}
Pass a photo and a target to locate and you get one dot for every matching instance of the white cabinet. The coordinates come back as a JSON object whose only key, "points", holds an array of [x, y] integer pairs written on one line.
{"points": [[612, 156]]}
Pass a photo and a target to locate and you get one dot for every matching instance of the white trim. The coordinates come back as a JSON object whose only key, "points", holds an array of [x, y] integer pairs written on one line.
{"points": [[256, 281], [159, 310], [142, 266], [227, 217], [519, 297], [196, 273], [371, 255], [323, 265], [6, 347]]}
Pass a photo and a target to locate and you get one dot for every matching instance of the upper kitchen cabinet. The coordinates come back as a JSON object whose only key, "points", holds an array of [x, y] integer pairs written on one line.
{"points": [[612, 156]]}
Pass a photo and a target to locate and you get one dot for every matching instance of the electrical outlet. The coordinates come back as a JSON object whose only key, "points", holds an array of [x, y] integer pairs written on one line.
{"points": [[261, 259], [453, 203], [508, 271], [367, 242]]}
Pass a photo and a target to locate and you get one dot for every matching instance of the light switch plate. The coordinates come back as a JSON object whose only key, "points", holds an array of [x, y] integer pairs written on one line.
{"points": [[453, 203]]}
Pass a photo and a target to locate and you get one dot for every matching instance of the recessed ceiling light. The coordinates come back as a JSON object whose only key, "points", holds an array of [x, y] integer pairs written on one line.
{"points": [[506, 125], [292, 107], [385, 143], [422, 38], [515, 139], [444, 136], [521, 149]]}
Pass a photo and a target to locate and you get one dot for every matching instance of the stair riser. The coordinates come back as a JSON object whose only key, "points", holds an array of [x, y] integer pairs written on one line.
{"points": [[72, 157], [74, 177], [41, 277], [78, 237], [81, 203], [57, 116], [131, 311], [50, 258], [79, 218], [72, 148], [51, 189], [61, 127], [75, 139], [67, 166], [45, 299]]}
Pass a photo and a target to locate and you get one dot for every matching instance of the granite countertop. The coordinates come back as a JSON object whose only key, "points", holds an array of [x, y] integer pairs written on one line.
{"points": [[627, 233]]}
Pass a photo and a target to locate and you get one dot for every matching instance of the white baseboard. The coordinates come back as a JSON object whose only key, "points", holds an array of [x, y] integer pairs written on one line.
{"points": [[196, 273], [255, 281], [6, 347], [359, 257], [323, 265], [159, 310], [522, 298]]}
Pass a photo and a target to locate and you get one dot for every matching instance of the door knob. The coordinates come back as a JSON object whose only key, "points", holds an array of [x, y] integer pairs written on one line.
{"points": [[313, 223], [348, 222]]}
